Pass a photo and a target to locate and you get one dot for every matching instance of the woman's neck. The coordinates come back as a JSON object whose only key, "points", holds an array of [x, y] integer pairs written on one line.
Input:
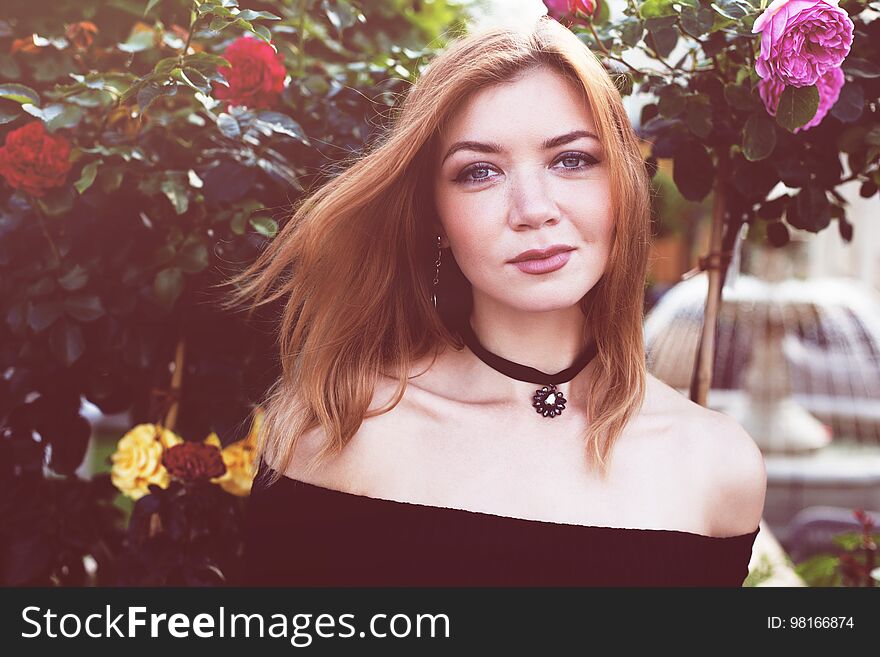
{"points": [[548, 341]]}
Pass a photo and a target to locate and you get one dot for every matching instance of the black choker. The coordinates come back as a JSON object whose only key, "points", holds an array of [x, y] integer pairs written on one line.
{"points": [[547, 400]]}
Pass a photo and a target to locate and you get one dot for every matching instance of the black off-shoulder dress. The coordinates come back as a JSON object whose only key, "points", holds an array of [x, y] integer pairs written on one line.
{"points": [[300, 534]]}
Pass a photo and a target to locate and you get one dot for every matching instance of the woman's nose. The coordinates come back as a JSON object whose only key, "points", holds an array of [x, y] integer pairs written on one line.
{"points": [[532, 204]]}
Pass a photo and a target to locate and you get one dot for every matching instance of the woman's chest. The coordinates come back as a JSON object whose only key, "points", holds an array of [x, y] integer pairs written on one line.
{"points": [[502, 462]]}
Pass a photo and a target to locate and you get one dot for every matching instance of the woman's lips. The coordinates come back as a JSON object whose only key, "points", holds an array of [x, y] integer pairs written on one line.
{"points": [[544, 265]]}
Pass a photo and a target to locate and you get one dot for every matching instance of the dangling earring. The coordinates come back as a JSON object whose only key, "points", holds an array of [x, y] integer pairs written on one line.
{"points": [[436, 273]]}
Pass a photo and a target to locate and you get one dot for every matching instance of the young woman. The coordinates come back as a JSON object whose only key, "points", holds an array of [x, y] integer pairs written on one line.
{"points": [[464, 399]]}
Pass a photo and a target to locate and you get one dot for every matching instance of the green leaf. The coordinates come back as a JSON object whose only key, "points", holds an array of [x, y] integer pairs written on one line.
{"points": [[797, 105], [657, 8], [264, 226], [740, 97], [69, 117], [228, 126], [87, 177], [282, 124], [164, 66], [19, 93], [167, 287], [139, 41], [193, 256], [758, 137], [250, 15], [84, 307], [205, 61], [732, 9], [600, 16], [74, 279], [239, 223], [698, 116], [219, 24], [273, 164], [662, 40], [175, 187], [150, 5], [42, 314], [693, 170], [136, 86], [672, 101], [850, 104], [697, 22], [811, 210], [66, 342], [45, 114], [632, 31], [196, 80], [263, 33], [150, 92], [111, 178], [342, 15], [214, 9]]}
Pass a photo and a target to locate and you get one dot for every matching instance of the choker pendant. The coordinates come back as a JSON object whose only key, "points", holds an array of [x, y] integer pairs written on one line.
{"points": [[548, 401]]}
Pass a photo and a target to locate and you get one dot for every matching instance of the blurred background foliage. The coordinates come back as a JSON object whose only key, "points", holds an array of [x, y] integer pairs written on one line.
{"points": [[105, 279]]}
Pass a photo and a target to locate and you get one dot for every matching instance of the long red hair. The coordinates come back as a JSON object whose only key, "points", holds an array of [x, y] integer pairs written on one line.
{"points": [[354, 265]]}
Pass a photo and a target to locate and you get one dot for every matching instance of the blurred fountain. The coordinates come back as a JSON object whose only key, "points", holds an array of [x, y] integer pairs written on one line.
{"points": [[796, 363]]}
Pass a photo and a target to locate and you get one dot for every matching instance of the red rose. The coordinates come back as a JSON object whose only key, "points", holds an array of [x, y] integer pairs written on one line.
{"points": [[256, 77], [565, 9], [34, 160], [193, 461]]}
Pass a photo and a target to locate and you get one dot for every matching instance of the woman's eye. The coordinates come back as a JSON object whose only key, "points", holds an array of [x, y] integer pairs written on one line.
{"points": [[466, 175], [577, 157], [478, 172]]}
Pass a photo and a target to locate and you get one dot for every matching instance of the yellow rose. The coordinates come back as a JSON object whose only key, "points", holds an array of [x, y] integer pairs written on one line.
{"points": [[137, 462], [240, 460]]}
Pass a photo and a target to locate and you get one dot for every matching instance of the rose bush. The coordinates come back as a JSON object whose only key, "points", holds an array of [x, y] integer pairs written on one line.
{"points": [[187, 144]]}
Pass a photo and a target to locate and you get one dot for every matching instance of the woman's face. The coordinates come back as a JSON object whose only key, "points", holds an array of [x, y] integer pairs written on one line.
{"points": [[520, 168]]}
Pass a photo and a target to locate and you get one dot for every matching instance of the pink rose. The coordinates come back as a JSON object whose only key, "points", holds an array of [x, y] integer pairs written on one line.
{"points": [[801, 40], [565, 9], [829, 86]]}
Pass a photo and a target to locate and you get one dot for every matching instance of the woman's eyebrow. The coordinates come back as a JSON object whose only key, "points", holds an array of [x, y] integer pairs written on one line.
{"points": [[492, 147]]}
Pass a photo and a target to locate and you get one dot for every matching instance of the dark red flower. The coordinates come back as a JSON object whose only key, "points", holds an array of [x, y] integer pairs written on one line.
{"points": [[34, 160], [193, 461], [256, 75]]}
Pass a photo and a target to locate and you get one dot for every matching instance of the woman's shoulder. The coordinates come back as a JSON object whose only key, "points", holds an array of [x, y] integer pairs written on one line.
{"points": [[718, 456], [737, 487], [360, 464]]}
